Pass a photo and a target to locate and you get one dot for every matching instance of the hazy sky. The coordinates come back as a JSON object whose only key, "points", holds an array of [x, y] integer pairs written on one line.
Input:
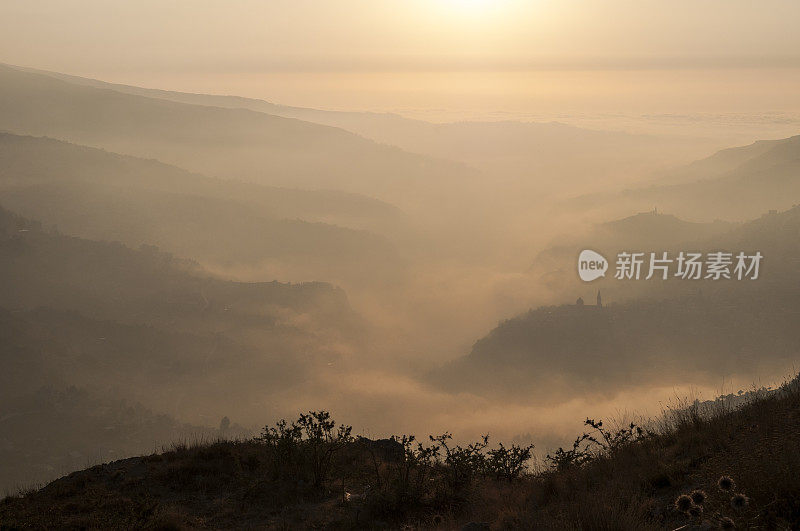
{"points": [[203, 34], [318, 52]]}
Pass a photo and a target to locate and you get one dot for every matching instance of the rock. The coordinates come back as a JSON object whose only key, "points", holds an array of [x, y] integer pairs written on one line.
{"points": [[386, 448]]}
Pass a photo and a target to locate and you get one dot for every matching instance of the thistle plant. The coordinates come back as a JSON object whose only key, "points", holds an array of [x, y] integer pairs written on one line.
{"points": [[698, 497], [726, 484], [684, 503], [739, 501], [698, 504]]}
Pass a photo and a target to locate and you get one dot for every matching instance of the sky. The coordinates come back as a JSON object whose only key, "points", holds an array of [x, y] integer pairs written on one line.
{"points": [[486, 56]]}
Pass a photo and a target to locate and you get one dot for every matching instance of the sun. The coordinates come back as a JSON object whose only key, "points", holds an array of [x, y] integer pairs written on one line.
{"points": [[473, 14], [472, 9], [472, 5]]}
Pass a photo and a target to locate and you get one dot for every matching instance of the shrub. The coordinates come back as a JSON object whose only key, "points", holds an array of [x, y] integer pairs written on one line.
{"points": [[322, 441], [597, 441], [306, 447], [462, 463], [508, 463]]}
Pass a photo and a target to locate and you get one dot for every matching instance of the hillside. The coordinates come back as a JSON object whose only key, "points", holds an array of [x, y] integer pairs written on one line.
{"points": [[722, 161], [104, 196], [46, 347], [739, 463], [734, 185], [145, 327], [653, 331], [554, 352], [150, 364], [56, 430], [73, 389], [109, 280], [765, 180], [652, 228], [142, 321], [221, 142], [31, 160], [527, 154], [645, 231]]}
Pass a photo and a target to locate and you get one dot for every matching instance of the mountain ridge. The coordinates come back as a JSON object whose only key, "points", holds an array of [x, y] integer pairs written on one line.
{"points": [[230, 143]]}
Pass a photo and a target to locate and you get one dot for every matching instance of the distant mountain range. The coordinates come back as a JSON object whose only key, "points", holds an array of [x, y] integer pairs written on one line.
{"points": [[221, 142], [735, 184], [36, 160], [722, 161], [511, 153], [100, 195]]}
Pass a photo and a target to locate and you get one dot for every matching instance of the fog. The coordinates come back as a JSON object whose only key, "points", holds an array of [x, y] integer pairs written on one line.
{"points": [[393, 239]]}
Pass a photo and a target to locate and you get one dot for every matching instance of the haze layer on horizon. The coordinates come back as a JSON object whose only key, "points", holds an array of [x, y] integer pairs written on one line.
{"points": [[438, 59]]}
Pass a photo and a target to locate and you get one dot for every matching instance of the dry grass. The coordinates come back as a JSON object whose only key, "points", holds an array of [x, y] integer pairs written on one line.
{"points": [[633, 485]]}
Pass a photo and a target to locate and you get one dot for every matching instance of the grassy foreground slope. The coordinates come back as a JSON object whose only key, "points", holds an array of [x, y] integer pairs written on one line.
{"points": [[628, 479]]}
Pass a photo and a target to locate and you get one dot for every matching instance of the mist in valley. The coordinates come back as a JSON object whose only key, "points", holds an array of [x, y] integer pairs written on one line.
{"points": [[396, 247]]}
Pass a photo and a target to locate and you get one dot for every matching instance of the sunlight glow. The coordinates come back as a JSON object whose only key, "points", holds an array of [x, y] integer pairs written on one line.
{"points": [[473, 4], [473, 7]]}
